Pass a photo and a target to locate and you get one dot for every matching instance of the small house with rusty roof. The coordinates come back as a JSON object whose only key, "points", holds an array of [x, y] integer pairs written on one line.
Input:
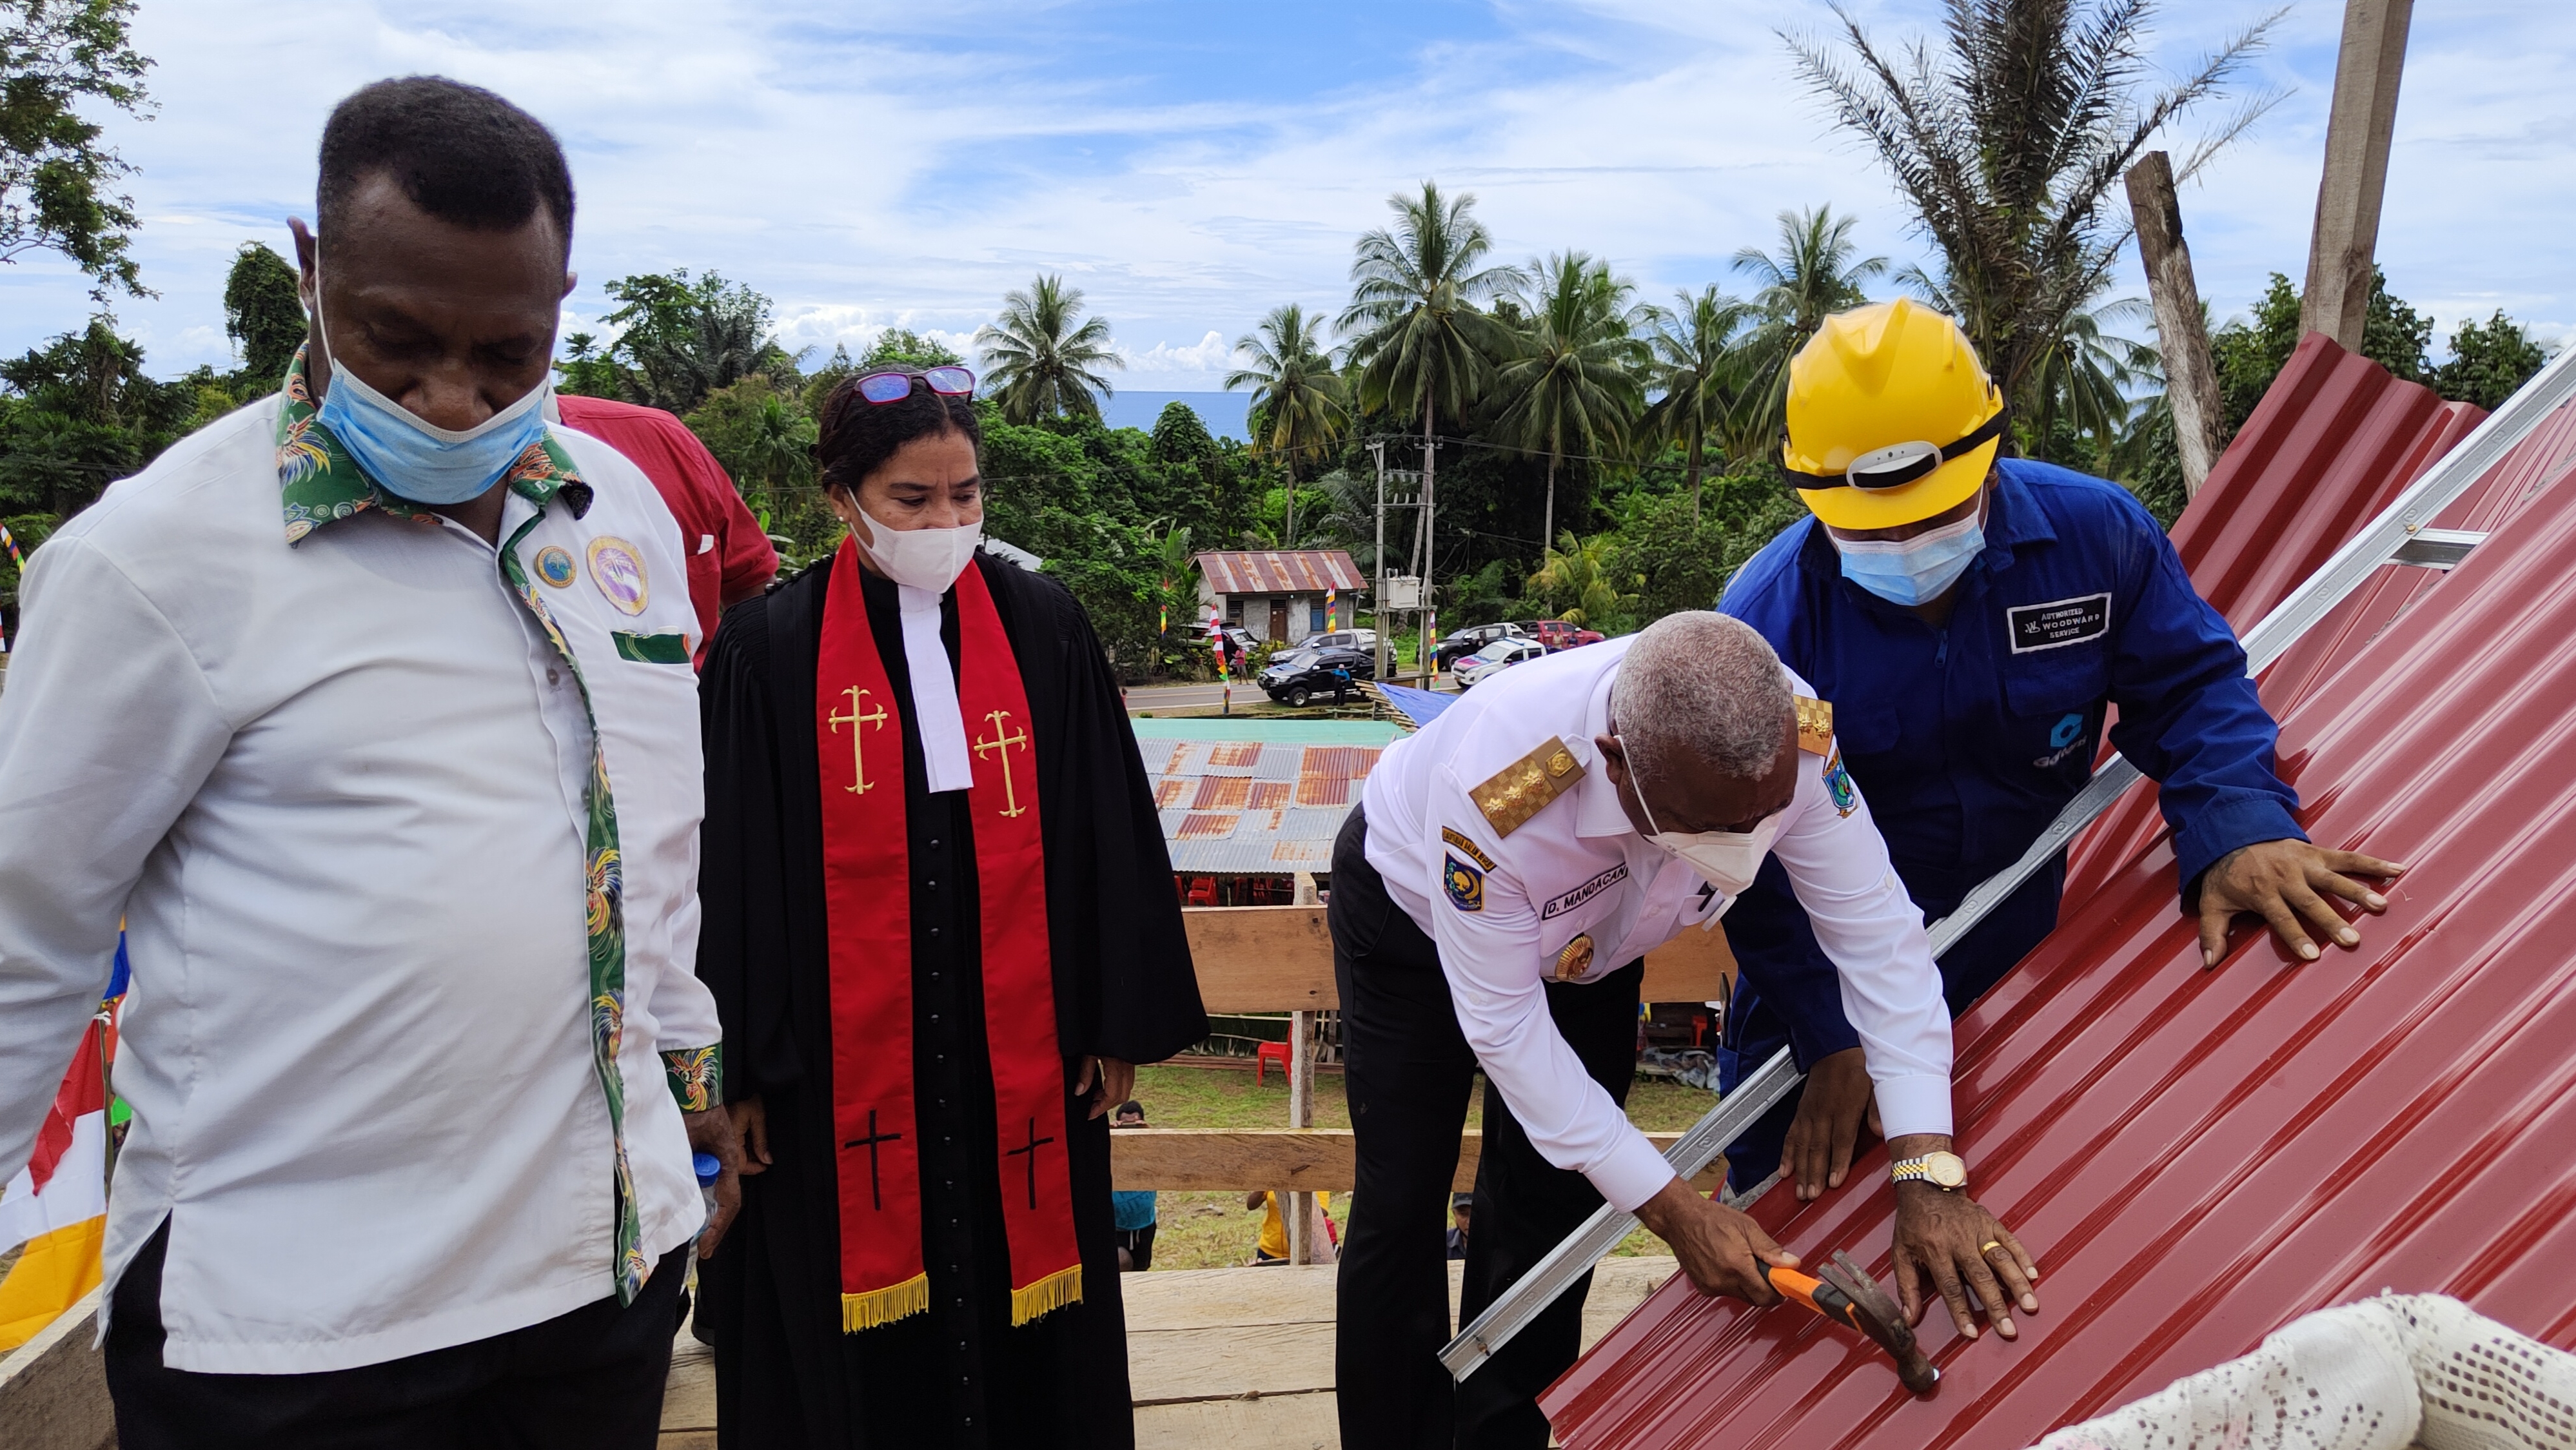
{"points": [[1279, 595]]}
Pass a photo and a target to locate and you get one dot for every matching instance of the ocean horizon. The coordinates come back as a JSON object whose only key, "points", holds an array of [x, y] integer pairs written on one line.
{"points": [[1227, 415]]}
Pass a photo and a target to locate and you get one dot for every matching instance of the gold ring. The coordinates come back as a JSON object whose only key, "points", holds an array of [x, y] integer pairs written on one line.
{"points": [[1989, 1246]]}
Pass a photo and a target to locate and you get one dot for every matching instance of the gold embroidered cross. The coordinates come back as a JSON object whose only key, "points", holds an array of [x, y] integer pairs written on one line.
{"points": [[1001, 744], [858, 757]]}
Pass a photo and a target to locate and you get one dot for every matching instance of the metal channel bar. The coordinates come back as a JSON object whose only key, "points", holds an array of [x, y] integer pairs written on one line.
{"points": [[2380, 543]]}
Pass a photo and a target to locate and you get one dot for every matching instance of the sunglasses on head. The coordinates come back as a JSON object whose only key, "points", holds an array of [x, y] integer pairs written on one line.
{"points": [[1898, 464], [894, 387]]}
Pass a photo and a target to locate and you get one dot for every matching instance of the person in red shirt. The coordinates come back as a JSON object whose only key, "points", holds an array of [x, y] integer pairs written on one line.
{"points": [[730, 559]]}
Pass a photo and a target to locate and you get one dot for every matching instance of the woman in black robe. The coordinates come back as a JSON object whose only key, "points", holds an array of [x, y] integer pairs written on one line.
{"points": [[958, 1374]]}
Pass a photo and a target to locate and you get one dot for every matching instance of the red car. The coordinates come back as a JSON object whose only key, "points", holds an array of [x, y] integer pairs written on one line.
{"points": [[1557, 635]]}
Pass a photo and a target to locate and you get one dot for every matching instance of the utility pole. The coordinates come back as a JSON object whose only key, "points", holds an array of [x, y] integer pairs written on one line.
{"points": [[2364, 114], [1377, 597], [2182, 334], [1429, 619]]}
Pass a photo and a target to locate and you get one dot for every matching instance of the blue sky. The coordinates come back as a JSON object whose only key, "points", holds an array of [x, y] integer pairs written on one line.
{"points": [[1190, 165]]}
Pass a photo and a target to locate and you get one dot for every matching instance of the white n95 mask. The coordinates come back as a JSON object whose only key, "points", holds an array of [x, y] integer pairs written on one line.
{"points": [[1727, 860], [923, 558]]}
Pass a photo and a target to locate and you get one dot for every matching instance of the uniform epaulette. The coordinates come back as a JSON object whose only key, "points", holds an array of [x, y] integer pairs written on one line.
{"points": [[1523, 788], [1815, 726]]}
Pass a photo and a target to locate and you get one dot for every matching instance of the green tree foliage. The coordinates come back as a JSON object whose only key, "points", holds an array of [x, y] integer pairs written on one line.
{"points": [[2083, 382], [1572, 383], [586, 371], [1814, 275], [1042, 358], [683, 339], [901, 347], [1582, 581], [263, 314], [57, 183], [2008, 144], [2489, 362]]}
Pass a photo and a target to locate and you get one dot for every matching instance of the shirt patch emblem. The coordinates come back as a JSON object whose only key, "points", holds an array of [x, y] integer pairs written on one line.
{"points": [[554, 565], [1525, 787], [2058, 623], [1815, 725], [618, 570], [1838, 785], [1466, 884], [1575, 960], [1458, 838], [1585, 892]]}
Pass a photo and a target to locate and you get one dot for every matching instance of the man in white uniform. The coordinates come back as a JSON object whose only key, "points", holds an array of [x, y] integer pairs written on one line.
{"points": [[375, 720], [1492, 902]]}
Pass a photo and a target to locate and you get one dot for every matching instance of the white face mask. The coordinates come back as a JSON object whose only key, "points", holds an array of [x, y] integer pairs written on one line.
{"points": [[1727, 860], [923, 558]]}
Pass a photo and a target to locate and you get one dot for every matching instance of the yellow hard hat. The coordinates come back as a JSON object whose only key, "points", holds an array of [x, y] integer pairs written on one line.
{"points": [[1891, 417]]}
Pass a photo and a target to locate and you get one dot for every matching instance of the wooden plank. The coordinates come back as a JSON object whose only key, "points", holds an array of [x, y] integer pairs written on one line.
{"points": [[1228, 1298], [1262, 958], [2358, 127], [1237, 1160], [2182, 334], [1165, 1366], [1271, 1422], [1280, 959]]}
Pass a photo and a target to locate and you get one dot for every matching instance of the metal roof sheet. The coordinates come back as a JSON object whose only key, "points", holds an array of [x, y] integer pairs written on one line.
{"points": [[1282, 571], [2198, 1157], [1256, 807]]}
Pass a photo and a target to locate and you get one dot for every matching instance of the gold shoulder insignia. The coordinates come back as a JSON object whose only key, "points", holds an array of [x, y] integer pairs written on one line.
{"points": [[1523, 788], [1815, 725]]}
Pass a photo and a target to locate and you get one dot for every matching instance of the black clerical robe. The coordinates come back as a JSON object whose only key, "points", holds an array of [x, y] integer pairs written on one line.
{"points": [[959, 1375]]}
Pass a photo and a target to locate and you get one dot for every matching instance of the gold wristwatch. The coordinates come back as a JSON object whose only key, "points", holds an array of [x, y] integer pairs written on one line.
{"points": [[1945, 1171]]}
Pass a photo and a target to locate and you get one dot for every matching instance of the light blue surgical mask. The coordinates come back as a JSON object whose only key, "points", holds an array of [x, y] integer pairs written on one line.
{"points": [[413, 457], [1913, 571]]}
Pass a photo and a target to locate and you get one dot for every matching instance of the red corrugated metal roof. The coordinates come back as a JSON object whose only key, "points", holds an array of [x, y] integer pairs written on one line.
{"points": [[2198, 1157], [1282, 571]]}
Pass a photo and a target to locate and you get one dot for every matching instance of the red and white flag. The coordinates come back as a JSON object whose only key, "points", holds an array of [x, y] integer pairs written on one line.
{"points": [[57, 1205]]}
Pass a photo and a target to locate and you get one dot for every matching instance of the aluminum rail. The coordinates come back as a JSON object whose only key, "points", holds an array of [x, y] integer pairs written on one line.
{"points": [[2401, 534]]}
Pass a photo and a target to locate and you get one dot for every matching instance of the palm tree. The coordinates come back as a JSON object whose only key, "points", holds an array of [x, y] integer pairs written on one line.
{"points": [[2009, 148], [1039, 359], [1294, 385], [1812, 277], [1698, 363], [2086, 376], [1586, 574], [1422, 346], [1572, 377]]}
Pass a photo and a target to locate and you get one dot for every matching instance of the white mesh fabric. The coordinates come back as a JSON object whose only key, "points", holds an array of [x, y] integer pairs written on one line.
{"points": [[2338, 1379], [2384, 1374]]}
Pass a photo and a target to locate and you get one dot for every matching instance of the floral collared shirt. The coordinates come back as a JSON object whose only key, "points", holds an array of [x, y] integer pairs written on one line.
{"points": [[319, 483]]}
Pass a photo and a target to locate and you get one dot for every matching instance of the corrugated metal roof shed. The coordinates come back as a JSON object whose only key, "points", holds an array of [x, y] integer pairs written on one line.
{"points": [[2199, 1157], [1282, 571], [1251, 807]]}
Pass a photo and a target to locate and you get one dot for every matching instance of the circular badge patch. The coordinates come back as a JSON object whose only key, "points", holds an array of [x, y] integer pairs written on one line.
{"points": [[619, 572], [554, 566]]}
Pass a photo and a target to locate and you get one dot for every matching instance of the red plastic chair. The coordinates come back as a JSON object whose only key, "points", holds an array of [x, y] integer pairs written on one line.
{"points": [[1264, 1055], [1203, 891]]}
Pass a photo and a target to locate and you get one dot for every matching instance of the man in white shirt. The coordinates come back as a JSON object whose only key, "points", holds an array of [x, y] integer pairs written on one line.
{"points": [[375, 720], [1493, 899]]}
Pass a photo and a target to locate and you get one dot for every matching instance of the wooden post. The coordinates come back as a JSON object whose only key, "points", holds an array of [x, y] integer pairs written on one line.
{"points": [[2182, 334], [2373, 55], [1299, 1209]]}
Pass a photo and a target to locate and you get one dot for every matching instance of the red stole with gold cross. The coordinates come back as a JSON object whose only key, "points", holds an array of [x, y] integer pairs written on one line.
{"points": [[867, 895]]}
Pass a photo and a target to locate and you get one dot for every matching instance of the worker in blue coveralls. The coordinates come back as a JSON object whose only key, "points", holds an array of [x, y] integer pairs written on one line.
{"points": [[1970, 618]]}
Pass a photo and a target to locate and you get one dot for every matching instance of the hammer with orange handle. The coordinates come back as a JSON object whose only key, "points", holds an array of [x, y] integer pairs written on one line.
{"points": [[1847, 1296]]}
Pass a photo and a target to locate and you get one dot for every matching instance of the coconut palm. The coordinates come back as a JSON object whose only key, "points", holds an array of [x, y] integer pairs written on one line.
{"points": [[1586, 574], [1040, 355], [1699, 365], [2010, 143], [2087, 376], [1811, 277], [1293, 386], [1571, 379], [1423, 347]]}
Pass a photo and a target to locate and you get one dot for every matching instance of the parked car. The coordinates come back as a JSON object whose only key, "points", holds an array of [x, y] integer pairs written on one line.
{"points": [[1556, 634], [1467, 641], [1238, 647], [1300, 677], [1345, 638], [1497, 657]]}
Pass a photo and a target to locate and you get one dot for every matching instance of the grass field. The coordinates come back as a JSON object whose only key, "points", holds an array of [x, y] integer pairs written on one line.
{"points": [[1215, 1230]]}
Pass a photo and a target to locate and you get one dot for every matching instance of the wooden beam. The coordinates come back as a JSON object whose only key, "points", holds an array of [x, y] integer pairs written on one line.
{"points": [[1238, 1160], [2358, 127], [2182, 334], [1280, 959]]}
